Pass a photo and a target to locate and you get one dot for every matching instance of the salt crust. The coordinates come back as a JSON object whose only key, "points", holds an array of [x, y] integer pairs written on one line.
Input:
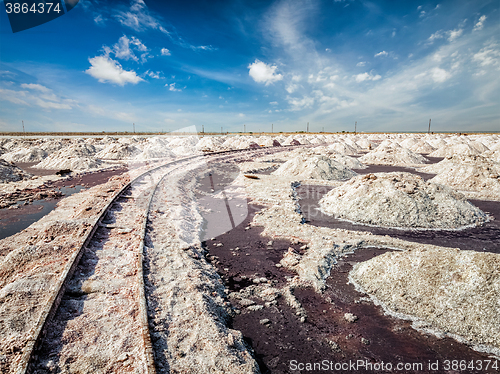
{"points": [[11, 173], [315, 167], [25, 155], [468, 173], [454, 292], [191, 310], [282, 219], [400, 200]]}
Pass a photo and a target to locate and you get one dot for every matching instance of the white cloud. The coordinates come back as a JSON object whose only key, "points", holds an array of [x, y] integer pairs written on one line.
{"points": [[488, 56], [440, 75], [454, 34], [264, 73], [154, 75], [299, 104], [171, 87], [451, 35], [38, 87], [361, 63], [40, 96], [138, 17], [99, 20], [367, 76], [165, 52], [123, 51], [105, 69], [480, 24], [273, 103], [291, 88], [241, 115], [383, 53]]}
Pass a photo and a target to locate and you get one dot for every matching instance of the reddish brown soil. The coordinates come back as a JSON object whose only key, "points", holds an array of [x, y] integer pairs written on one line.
{"points": [[285, 338], [482, 238]]}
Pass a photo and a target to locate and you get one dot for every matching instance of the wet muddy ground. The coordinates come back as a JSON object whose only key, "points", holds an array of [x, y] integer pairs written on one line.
{"points": [[21, 215], [482, 238], [277, 335]]}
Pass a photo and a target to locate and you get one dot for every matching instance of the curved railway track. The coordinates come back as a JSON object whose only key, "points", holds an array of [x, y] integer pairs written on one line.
{"points": [[110, 275]]}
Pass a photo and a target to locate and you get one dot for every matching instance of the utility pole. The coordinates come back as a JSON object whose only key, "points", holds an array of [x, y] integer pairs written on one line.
{"points": [[244, 128], [203, 129], [221, 130], [134, 127], [355, 127], [24, 132], [272, 127], [429, 131], [307, 127]]}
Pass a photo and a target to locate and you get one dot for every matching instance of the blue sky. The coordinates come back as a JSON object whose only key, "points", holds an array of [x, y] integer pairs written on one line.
{"points": [[389, 65]]}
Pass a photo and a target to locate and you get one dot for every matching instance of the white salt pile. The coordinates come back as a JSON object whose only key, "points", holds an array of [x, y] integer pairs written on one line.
{"points": [[343, 148], [72, 163], [392, 155], [350, 162], [151, 151], [455, 149], [400, 200], [117, 151], [25, 155], [11, 173], [448, 290], [314, 167], [468, 173], [422, 147]]}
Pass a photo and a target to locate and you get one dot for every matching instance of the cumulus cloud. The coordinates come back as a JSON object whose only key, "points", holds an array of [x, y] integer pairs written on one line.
{"points": [[367, 77], [381, 54], [361, 63], [264, 73], [165, 52], [480, 24], [105, 69]]}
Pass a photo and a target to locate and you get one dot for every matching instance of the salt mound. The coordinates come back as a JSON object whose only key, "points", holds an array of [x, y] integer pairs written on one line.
{"points": [[348, 161], [408, 143], [364, 144], [343, 148], [315, 167], [11, 173], [72, 163], [478, 146], [152, 151], [468, 173], [400, 200], [209, 143], [117, 151], [455, 149], [445, 289], [25, 155], [422, 147], [393, 155]]}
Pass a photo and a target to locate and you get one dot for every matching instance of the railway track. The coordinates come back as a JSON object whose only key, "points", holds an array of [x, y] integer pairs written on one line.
{"points": [[101, 291]]}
